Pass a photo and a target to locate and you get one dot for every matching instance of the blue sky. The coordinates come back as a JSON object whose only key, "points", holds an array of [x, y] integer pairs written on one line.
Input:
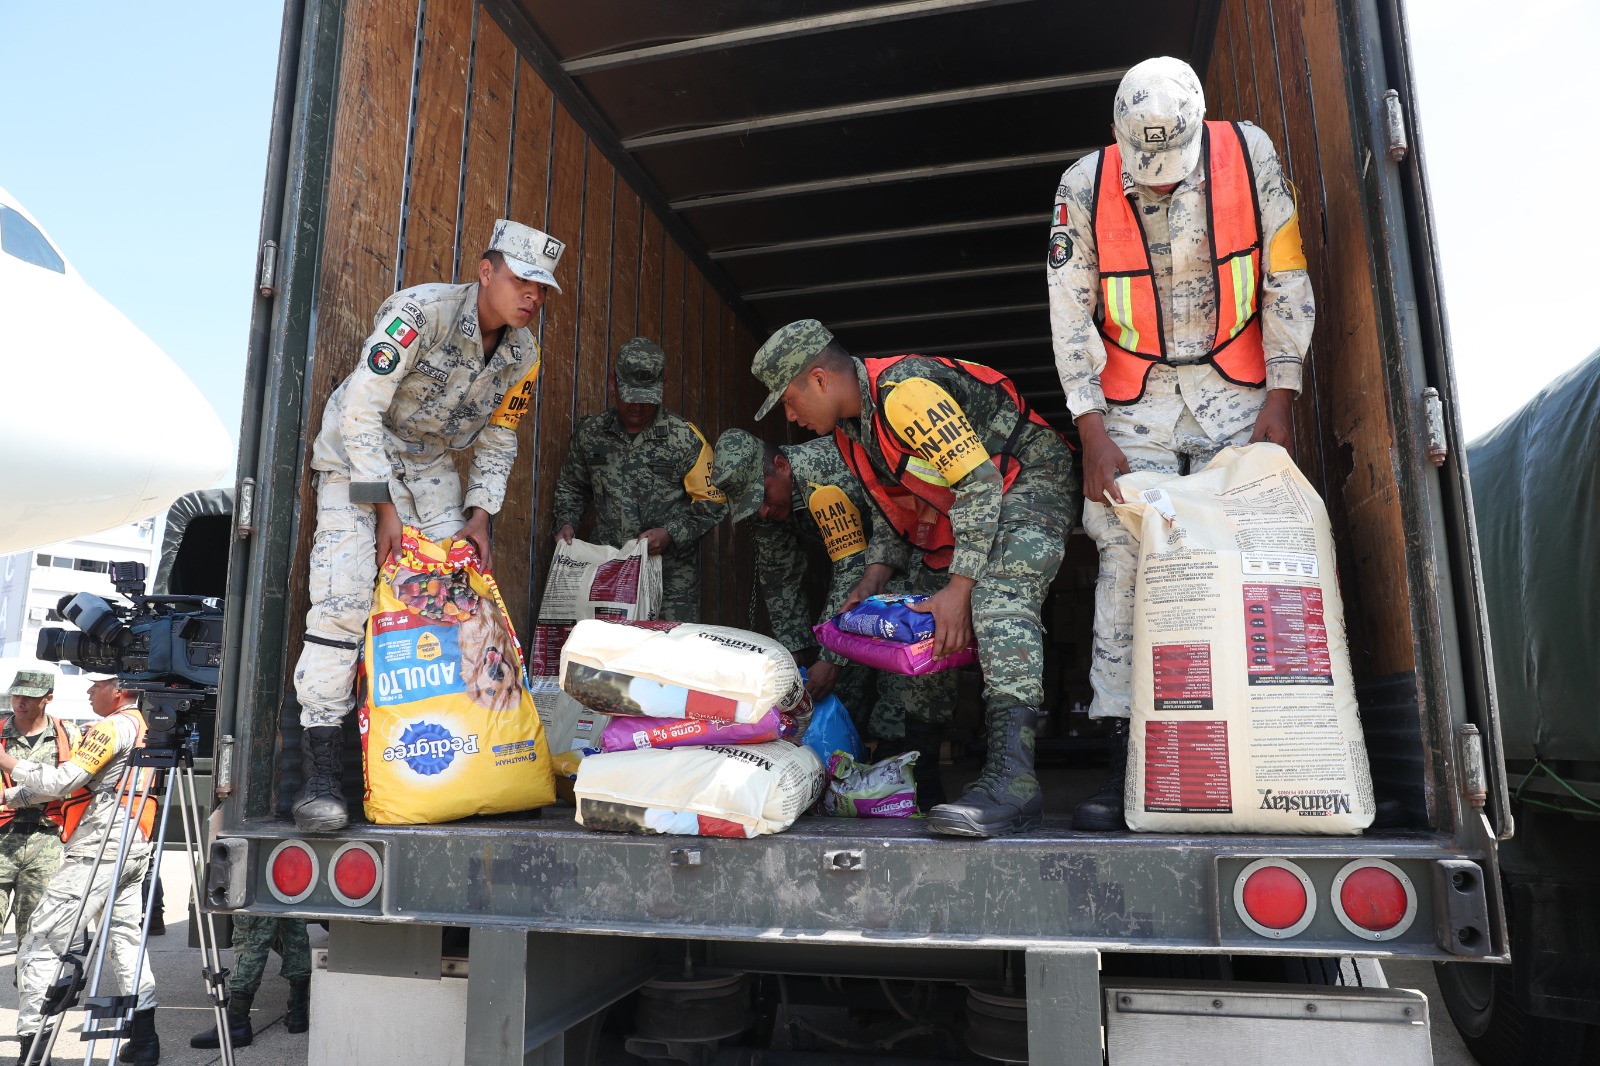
{"points": [[137, 133]]}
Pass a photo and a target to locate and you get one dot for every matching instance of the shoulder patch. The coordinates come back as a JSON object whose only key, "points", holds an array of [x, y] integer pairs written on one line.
{"points": [[1058, 217], [383, 357], [932, 424], [697, 482], [98, 746], [401, 331], [839, 521], [1060, 250], [517, 402]]}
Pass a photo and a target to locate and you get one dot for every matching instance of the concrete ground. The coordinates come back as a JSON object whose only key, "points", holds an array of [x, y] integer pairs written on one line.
{"points": [[184, 1009]]}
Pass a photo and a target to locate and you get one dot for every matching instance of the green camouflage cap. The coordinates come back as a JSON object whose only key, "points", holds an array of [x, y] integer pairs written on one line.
{"points": [[786, 353], [736, 470], [33, 683], [640, 365]]}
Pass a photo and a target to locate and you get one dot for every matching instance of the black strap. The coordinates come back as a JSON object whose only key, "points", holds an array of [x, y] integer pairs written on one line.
{"points": [[312, 638]]}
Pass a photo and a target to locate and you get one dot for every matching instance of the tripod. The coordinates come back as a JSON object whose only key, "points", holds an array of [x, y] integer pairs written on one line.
{"points": [[165, 766]]}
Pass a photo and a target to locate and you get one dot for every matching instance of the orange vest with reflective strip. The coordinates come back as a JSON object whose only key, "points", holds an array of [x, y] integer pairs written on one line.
{"points": [[75, 806], [919, 510], [1130, 316], [52, 810]]}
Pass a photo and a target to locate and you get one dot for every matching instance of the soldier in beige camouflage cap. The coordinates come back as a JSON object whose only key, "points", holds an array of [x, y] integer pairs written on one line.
{"points": [[786, 353], [446, 368]]}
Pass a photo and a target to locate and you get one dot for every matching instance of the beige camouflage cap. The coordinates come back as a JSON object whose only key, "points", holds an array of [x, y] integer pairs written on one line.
{"points": [[531, 254], [736, 470], [786, 353], [640, 365], [1158, 116], [33, 683]]}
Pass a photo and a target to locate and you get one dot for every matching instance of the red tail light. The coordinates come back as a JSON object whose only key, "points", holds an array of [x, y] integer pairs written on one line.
{"points": [[1374, 899], [1275, 898], [355, 874], [292, 871]]}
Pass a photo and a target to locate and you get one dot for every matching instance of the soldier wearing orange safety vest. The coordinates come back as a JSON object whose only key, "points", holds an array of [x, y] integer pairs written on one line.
{"points": [[1181, 312], [30, 837], [86, 786], [959, 466]]}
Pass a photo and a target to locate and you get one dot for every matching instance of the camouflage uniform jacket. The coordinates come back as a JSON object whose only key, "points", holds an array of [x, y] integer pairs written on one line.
{"points": [[97, 762], [838, 523], [1180, 254], [985, 418], [424, 388], [658, 477], [40, 749]]}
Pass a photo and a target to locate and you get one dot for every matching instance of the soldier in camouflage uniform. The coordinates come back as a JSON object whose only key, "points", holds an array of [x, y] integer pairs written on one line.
{"points": [[647, 473], [956, 446], [447, 368], [802, 497], [254, 936], [30, 841], [1199, 393]]}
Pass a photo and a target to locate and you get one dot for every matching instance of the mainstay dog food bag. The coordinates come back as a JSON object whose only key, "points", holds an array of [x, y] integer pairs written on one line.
{"points": [[1244, 707]]}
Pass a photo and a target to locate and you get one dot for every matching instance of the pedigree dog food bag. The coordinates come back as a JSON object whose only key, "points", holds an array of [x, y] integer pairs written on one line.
{"points": [[448, 726], [1244, 708]]}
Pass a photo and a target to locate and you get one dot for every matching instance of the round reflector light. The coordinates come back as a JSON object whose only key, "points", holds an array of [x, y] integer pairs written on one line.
{"points": [[355, 874], [1374, 899], [292, 871], [1275, 898]]}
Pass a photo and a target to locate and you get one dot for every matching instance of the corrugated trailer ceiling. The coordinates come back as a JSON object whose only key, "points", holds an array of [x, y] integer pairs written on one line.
{"points": [[887, 168]]}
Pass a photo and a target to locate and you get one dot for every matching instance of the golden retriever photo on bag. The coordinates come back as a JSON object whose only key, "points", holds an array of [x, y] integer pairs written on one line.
{"points": [[488, 671]]}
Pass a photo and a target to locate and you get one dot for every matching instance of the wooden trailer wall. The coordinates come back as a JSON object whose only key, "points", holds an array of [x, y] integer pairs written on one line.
{"points": [[441, 128]]}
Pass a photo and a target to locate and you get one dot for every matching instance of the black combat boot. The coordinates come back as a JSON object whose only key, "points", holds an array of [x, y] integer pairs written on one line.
{"points": [[144, 1046], [25, 1040], [1102, 812], [1006, 798], [297, 1015], [319, 808], [930, 783], [238, 1024]]}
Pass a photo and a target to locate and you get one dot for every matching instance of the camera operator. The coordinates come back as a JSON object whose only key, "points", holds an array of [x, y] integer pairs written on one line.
{"points": [[30, 838], [88, 783]]}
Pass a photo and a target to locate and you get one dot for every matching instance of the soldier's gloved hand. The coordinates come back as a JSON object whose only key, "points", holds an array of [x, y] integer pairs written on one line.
{"points": [[477, 531], [658, 539], [872, 582], [389, 533], [820, 679], [565, 535], [1102, 460], [951, 608], [1275, 423]]}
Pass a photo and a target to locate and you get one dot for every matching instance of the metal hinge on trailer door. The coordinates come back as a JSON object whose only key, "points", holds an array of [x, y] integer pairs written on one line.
{"points": [[244, 509], [268, 282], [1395, 126], [1433, 414]]}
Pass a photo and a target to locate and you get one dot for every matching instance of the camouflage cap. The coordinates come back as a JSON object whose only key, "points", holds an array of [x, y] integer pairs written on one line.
{"points": [[640, 365], [530, 254], [736, 470], [786, 353], [33, 683], [1158, 115]]}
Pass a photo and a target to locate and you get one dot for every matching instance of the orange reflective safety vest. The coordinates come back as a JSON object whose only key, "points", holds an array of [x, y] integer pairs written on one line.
{"points": [[75, 806], [52, 810], [917, 501], [1130, 315]]}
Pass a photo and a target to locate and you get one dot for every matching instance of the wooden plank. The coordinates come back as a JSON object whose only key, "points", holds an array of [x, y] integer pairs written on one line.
{"points": [[1265, 63], [518, 524], [488, 143], [556, 389], [594, 342], [1222, 92], [693, 284], [624, 267], [362, 225], [430, 240], [672, 323], [651, 265], [1244, 62]]}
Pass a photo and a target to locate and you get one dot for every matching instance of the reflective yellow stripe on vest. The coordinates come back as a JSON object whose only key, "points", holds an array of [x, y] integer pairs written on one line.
{"points": [[1119, 310], [923, 470], [1244, 292]]}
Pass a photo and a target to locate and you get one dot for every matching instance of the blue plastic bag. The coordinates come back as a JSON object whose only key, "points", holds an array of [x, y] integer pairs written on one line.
{"points": [[832, 730], [887, 617]]}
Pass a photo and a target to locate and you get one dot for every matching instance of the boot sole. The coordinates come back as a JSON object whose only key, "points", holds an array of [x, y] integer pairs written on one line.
{"points": [[958, 826], [319, 825], [1099, 823]]}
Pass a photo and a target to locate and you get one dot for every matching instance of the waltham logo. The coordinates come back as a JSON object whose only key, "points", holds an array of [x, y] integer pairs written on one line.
{"points": [[429, 748], [1307, 804]]}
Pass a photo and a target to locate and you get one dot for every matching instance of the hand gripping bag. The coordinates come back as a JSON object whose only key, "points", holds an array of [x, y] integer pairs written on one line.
{"points": [[1244, 707], [721, 790], [680, 670], [448, 726]]}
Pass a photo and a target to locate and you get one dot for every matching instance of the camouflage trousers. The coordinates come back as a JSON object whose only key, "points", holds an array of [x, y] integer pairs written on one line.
{"points": [[27, 862], [254, 935], [1158, 433], [1036, 517], [344, 570], [680, 588], [52, 931]]}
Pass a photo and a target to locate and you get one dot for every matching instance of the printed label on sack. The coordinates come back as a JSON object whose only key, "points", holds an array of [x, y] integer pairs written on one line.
{"points": [[1182, 675], [839, 520], [429, 748], [1286, 636], [1186, 768]]}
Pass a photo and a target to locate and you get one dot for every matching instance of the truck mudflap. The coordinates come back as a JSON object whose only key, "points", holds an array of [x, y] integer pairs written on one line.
{"points": [[882, 882]]}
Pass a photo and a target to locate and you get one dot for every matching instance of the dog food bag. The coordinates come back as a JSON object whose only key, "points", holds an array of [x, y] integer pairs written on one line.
{"points": [[886, 654], [448, 726], [871, 790], [627, 734], [719, 790], [888, 616], [679, 670], [1244, 707]]}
